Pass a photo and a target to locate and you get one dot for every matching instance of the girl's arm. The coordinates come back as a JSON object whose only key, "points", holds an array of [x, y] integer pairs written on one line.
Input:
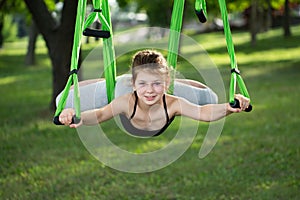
{"points": [[209, 112], [95, 116]]}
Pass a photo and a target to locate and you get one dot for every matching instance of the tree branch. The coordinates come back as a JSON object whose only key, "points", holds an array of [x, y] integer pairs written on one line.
{"points": [[41, 16]]}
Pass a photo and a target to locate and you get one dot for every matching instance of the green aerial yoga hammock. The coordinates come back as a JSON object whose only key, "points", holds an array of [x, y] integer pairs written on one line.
{"points": [[174, 38], [235, 74], [200, 7], [101, 11]]}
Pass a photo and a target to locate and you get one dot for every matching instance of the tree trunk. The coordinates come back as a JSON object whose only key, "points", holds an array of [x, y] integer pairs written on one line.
{"points": [[1, 28], [286, 20], [253, 21], [33, 34], [269, 16], [58, 38]]}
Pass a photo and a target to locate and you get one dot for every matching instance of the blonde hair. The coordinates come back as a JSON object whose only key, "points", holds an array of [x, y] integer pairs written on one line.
{"points": [[150, 61]]}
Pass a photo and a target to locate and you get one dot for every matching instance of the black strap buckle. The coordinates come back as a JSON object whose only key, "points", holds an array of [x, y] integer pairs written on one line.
{"points": [[235, 70], [74, 71], [97, 10]]}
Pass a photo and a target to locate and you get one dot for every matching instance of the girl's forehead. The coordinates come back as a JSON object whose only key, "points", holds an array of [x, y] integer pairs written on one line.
{"points": [[147, 76]]}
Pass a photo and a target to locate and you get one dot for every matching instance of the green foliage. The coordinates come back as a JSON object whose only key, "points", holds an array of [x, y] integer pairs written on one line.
{"points": [[256, 157], [238, 6], [16, 6], [159, 12], [9, 29], [277, 4], [50, 4]]}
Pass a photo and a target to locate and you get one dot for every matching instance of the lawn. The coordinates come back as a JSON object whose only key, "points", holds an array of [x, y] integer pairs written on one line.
{"points": [[256, 157]]}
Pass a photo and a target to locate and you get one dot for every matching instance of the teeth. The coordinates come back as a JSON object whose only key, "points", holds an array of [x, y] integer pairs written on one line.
{"points": [[150, 97]]}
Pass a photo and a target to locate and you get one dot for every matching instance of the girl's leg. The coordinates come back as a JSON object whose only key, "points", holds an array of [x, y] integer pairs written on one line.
{"points": [[92, 95], [93, 92]]}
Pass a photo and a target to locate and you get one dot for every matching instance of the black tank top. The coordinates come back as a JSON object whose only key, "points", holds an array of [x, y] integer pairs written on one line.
{"points": [[140, 132]]}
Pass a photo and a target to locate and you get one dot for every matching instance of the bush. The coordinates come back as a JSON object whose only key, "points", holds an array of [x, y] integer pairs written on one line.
{"points": [[10, 29]]}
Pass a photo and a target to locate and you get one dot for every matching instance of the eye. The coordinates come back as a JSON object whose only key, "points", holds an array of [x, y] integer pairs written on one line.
{"points": [[157, 83], [141, 83]]}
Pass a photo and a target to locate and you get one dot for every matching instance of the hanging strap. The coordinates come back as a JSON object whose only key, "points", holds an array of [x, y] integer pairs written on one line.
{"points": [[96, 14], [108, 52], [174, 38], [108, 56], [235, 73], [200, 9], [73, 78]]}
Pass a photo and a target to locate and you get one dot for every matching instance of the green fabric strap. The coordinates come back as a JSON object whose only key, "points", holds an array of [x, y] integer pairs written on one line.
{"points": [[108, 53], [235, 75], [108, 50], [73, 78], [201, 4], [174, 38]]}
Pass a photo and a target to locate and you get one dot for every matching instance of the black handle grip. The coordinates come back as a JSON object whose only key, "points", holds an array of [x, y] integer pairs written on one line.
{"points": [[96, 33], [201, 16], [236, 104], [75, 120]]}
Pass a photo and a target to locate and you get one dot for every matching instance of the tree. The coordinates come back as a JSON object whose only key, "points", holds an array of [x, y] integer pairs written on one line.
{"points": [[260, 14], [286, 21], [33, 34], [18, 7], [159, 12], [7, 7], [58, 38]]}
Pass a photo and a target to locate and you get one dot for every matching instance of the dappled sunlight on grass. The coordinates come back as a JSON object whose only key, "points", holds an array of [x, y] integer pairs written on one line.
{"points": [[269, 56], [8, 80]]}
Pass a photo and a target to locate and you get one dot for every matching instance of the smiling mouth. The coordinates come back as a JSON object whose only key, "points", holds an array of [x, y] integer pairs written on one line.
{"points": [[150, 98]]}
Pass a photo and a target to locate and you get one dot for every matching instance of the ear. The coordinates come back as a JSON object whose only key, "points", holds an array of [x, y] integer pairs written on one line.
{"points": [[168, 83], [133, 85]]}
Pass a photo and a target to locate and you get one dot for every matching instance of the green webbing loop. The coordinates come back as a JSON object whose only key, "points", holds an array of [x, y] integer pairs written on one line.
{"points": [[108, 50], [73, 78], [235, 77], [174, 38], [96, 15]]}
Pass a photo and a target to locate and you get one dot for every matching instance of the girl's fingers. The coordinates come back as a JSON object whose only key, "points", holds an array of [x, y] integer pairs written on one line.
{"points": [[66, 116], [75, 125], [233, 110], [244, 101], [70, 116]]}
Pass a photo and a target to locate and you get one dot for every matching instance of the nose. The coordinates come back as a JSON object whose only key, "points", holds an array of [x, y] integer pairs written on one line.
{"points": [[149, 88]]}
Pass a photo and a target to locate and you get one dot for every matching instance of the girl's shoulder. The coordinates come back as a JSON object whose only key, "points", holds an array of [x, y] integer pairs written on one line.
{"points": [[124, 97], [175, 104], [172, 98], [122, 102]]}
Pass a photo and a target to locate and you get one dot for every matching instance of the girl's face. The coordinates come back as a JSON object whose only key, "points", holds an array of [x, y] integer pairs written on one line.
{"points": [[150, 87]]}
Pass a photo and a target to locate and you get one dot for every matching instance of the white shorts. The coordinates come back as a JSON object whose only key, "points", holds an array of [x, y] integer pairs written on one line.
{"points": [[94, 95]]}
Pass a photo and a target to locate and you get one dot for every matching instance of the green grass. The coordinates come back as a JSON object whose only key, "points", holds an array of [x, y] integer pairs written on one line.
{"points": [[256, 157]]}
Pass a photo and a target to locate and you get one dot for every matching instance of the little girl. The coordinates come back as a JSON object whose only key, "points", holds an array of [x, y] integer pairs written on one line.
{"points": [[148, 110]]}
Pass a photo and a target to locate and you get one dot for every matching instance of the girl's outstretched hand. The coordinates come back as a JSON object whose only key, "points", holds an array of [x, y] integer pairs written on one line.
{"points": [[244, 103], [66, 117]]}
